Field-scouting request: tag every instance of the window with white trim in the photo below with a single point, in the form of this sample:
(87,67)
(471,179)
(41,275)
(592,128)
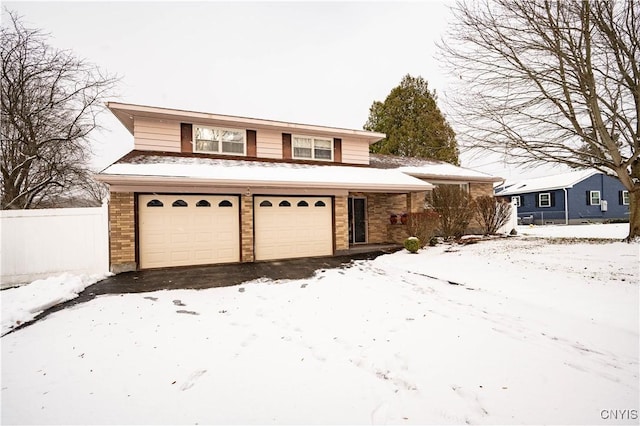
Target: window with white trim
(544,199)
(216,140)
(594,198)
(312,148)
(625,198)
(516,200)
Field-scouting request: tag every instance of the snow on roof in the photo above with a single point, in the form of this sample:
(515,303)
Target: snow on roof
(560,181)
(428,169)
(258,173)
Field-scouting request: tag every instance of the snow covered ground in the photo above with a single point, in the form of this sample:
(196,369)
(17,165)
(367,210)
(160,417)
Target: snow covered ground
(595,230)
(22,304)
(505,331)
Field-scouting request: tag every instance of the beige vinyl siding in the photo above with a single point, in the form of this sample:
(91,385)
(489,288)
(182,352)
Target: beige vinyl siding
(355,151)
(268,143)
(156,135)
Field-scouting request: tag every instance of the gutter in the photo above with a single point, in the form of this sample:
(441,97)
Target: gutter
(566,206)
(114,179)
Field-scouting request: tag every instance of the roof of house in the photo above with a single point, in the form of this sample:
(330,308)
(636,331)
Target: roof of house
(429,169)
(143,168)
(126,112)
(547,183)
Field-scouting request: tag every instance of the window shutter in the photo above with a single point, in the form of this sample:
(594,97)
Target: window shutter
(286,145)
(186,134)
(620,198)
(337,150)
(252,150)
(588,198)
(553,199)
(537,197)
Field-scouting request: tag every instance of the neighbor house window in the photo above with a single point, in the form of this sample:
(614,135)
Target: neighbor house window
(219,140)
(312,148)
(625,198)
(516,200)
(544,199)
(594,198)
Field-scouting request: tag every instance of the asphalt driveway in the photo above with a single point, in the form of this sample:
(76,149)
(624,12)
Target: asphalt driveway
(202,277)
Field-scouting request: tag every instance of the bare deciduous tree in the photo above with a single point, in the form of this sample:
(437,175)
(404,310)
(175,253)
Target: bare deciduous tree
(551,81)
(50,100)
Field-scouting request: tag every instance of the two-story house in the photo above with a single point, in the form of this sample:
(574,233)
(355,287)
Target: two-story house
(203,188)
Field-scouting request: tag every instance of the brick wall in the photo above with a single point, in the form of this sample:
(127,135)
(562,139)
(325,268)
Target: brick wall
(397,233)
(122,246)
(480,189)
(246,226)
(379,208)
(415,201)
(341,214)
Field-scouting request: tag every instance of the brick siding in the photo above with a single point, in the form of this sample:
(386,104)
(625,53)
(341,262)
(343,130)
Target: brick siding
(341,217)
(380,206)
(246,226)
(122,246)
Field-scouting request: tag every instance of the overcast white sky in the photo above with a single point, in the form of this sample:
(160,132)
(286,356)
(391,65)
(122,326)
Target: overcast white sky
(318,63)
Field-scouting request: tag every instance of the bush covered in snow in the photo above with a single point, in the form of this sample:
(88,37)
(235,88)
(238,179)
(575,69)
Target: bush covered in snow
(412,244)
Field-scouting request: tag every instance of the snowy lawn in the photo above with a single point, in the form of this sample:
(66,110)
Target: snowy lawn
(511,331)
(616,231)
(22,304)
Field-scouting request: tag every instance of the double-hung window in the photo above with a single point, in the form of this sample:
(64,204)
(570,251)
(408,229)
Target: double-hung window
(215,140)
(312,148)
(515,200)
(625,198)
(594,198)
(544,199)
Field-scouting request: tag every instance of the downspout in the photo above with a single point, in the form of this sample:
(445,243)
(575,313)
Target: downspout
(566,206)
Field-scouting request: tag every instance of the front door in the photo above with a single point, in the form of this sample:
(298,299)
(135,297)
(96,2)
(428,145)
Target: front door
(357,220)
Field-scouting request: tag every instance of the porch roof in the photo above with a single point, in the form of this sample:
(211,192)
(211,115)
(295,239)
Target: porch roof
(142,168)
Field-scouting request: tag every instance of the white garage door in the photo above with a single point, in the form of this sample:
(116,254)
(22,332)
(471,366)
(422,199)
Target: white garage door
(179,230)
(287,227)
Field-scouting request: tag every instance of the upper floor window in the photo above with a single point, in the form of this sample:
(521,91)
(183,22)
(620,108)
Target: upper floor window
(219,140)
(594,198)
(312,148)
(515,200)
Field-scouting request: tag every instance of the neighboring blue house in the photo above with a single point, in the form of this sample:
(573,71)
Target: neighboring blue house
(576,197)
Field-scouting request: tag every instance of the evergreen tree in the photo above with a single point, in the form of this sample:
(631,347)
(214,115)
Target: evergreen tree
(413,123)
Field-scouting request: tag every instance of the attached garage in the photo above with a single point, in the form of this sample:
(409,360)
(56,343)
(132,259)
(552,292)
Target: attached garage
(180,230)
(288,227)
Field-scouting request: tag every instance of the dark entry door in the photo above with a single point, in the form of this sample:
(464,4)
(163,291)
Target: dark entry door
(357,220)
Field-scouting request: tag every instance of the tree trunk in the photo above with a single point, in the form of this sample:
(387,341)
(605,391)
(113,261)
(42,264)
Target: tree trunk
(634,215)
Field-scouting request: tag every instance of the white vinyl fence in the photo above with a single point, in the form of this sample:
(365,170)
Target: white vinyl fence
(40,243)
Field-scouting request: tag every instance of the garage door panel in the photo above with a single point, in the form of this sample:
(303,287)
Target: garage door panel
(292,231)
(191,235)
(204,238)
